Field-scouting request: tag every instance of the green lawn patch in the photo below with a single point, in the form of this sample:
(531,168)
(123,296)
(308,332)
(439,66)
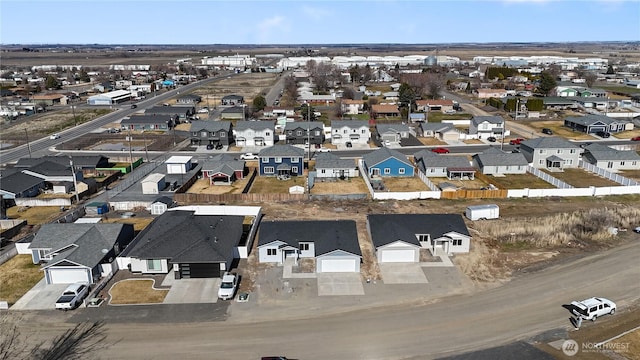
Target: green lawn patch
(17,276)
(271,185)
(136,292)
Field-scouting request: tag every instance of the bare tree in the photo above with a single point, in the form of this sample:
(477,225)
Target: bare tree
(348,93)
(590,78)
(435,83)
(417,83)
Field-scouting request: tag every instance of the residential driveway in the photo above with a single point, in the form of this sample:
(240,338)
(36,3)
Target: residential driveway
(402,273)
(193,291)
(331,284)
(40,297)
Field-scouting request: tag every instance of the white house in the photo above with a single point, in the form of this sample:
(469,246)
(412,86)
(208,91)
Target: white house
(354,131)
(352,107)
(254,133)
(487,126)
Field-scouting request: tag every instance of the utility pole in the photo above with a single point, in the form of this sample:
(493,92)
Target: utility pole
(75,121)
(130,153)
(146,152)
(308,130)
(75,182)
(28,143)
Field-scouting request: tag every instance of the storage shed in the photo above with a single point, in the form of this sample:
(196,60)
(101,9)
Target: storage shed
(96,208)
(178,164)
(153,184)
(477,212)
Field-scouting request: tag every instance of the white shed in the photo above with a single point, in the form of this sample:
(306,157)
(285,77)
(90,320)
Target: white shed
(477,212)
(153,184)
(178,164)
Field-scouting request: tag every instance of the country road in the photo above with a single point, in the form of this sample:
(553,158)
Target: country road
(526,306)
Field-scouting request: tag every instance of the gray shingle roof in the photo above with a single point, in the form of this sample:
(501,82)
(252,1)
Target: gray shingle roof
(282,151)
(377,156)
(552,142)
(227,167)
(353,124)
(599,152)
(388,228)
(233,110)
(326,235)
(495,157)
(397,128)
(49,168)
(19,182)
(255,125)
(490,119)
(331,161)
(211,126)
(78,160)
(303,125)
(147,119)
(437,127)
(168,110)
(429,159)
(183,237)
(592,119)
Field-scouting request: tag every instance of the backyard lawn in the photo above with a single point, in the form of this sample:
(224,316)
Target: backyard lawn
(136,292)
(202,187)
(581,178)
(475,184)
(271,185)
(36,215)
(348,186)
(520,181)
(404,184)
(138,222)
(17,276)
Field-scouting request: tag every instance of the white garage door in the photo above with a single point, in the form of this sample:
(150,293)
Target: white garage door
(338,265)
(398,255)
(67,276)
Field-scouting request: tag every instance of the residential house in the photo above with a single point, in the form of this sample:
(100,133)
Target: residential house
(223,169)
(16,184)
(387,162)
(48,99)
(234,112)
(565,91)
(278,112)
(487,126)
(442,131)
(54,172)
(86,163)
(491,93)
(393,133)
(611,159)
(354,131)
(352,107)
(304,132)
(232,100)
(189,243)
(449,166)
(182,112)
(332,166)
(559,103)
(550,152)
(75,252)
(592,124)
(332,243)
(281,160)
(189,99)
(391,96)
(385,110)
(494,161)
(399,237)
(105,86)
(589,92)
(435,105)
(211,133)
(254,133)
(417,117)
(148,122)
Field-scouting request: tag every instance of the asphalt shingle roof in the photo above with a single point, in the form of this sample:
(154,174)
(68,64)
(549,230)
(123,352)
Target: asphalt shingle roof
(326,235)
(331,161)
(592,119)
(388,228)
(19,182)
(495,157)
(433,160)
(255,125)
(377,156)
(397,128)
(552,142)
(303,125)
(147,119)
(352,124)
(282,151)
(599,152)
(490,119)
(211,126)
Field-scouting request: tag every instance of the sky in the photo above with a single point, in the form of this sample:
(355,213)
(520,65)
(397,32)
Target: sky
(316,22)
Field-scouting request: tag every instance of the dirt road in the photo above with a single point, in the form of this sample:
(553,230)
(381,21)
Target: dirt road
(526,306)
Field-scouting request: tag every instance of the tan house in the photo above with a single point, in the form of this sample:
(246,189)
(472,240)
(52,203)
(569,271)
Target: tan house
(435,105)
(385,110)
(48,99)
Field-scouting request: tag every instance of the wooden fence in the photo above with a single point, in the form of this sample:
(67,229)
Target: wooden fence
(202,199)
(475,194)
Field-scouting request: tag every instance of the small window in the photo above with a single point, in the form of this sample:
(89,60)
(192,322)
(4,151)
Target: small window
(278,159)
(268,170)
(272,252)
(304,247)
(401,171)
(387,171)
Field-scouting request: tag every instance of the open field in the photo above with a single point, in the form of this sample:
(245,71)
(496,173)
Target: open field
(247,85)
(520,181)
(581,178)
(430,141)
(17,276)
(558,128)
(348,186)
(404,184)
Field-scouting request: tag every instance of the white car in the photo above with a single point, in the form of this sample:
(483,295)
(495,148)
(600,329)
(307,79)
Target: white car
(590,309)
(203,110)
(228,286)
(324,150)
(54,136)
(249,156)
(72,296)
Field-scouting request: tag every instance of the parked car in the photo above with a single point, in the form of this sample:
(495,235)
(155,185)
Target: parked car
(228,286)
(637,138)
(440,150)
(204,110)
(547,131)
(324,150)
(491,139)
(219,146)
(249,156)
(637,230)
(54,136)
(603,134)
(209,146)
(515,141)
(134,106)
(113,130)
(590,309)
(72,296)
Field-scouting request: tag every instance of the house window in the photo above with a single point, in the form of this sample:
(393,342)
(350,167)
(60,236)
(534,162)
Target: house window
(299,132)
(387,171)
(401,171)
(559,151)
(541,162)
(294,169)
(362,131)
(304,247)
(317,133)
(573,151)
(154,265)
(268,170)
(432,170)
(423,238)
(223,134)
(289,132)
(278,160)
(323,171)
(272,252)
(267,134)
(204,134)
(541,151)
(621,163)
(344,131)
(568,162)
(457,242)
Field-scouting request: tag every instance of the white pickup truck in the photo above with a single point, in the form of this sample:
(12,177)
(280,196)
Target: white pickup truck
(72,296)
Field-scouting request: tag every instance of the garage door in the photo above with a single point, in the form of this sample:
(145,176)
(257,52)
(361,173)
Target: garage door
(398,255)
(199,271)
(338,265)
(67,276)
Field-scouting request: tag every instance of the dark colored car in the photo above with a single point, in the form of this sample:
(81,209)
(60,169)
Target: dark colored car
(209,146)
(637,138)
(133,106)
(603,134)
(547,131)
(349,144)
(491,139)
(219,146)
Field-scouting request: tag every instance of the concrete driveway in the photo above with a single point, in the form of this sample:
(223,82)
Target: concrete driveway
(40,297)
(330,284)
(193,291)
(402,273)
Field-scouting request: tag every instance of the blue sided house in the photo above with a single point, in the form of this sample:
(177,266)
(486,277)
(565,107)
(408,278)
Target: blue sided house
(387,162)
(281,160)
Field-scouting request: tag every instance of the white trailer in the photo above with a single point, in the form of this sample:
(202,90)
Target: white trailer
(477,212)
(153,184)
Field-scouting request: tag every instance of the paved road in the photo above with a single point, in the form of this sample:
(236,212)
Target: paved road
(528,305)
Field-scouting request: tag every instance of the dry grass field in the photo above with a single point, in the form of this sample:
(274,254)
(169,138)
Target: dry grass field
(632,174)
(271,185)
(138,222)
(581,178)
(404,184)
(349,186)
(247,85)
(559,129)
(475,184)
(431,141)
(520,181)
(36,215)
(17,276)
(136,292)
(202,187)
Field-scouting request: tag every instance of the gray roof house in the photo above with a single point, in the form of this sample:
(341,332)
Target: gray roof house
(20,185)
(193,245)
(148,122)
(74,252)
(332,243)
(254,133)
(189,99)
(494,161)
(592,123)
(211,133)
(231,100)
(393,133)
(611,159)
(332,166)
(304,132)
(449,166)
(486,126)
(443,131)
(223,169)
(354,131)
(182,112)
(234,112)
(54,172)
(399,237)
(550,152)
